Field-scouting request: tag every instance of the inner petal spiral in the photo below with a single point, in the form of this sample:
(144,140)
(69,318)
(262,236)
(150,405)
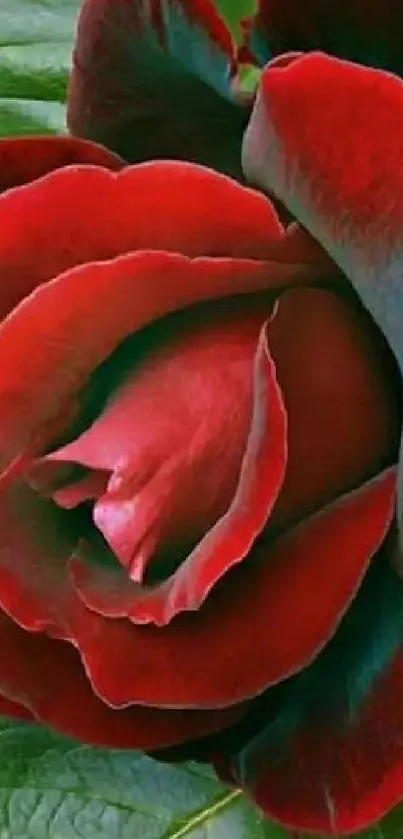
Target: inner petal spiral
(162,455)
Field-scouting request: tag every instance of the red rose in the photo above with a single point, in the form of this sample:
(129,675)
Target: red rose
(199,429)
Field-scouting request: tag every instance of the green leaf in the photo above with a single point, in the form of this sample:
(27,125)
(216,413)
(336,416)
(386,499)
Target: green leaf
(36,38)
(50,788)
(233,11)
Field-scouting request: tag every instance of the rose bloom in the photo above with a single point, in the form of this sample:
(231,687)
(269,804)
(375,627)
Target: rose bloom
(200,431)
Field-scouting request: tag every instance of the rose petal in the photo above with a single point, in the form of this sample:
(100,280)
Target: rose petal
(228,542)
(271,606)
(341,391)
(198,366)
(331,759)
(23,159)
(8,708)
(36,244)
(47,337)
(347,194)
(47,677)
(154,80)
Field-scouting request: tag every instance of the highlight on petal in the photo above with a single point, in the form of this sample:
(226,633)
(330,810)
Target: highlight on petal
(154,80)
(23,159)
(347,194)
(330,759)
(270,605)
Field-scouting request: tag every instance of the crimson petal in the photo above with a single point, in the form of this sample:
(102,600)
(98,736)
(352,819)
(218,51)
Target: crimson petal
(47,337)
(23,159)
(347,194)
(271,609)
(43,679)
(340,386)
(331,758)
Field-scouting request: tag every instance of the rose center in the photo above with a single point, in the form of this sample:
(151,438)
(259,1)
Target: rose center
(163,432)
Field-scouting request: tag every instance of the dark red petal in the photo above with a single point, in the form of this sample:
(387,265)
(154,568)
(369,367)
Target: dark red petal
(342,395)
(331,760)
(47,338)
(47,677)
(231,538)
(228,542)
(8,708)
(23,159)
(368,32)
(347,194)
(262,624)
(154,79)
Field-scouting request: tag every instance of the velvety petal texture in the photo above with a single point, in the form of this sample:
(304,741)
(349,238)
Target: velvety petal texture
(366,31)
(153,79)
(24,159)
(330,758)
(347,193)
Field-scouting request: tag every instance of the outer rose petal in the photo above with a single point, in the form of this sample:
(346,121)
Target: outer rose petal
(47,338)
(37,244)
(47,677)
(272,610)
(331,759)
(368,32)
(347,194)
(270,607)
(340,386)
(153,80)
(159,205)
(8,708)
(23,159)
